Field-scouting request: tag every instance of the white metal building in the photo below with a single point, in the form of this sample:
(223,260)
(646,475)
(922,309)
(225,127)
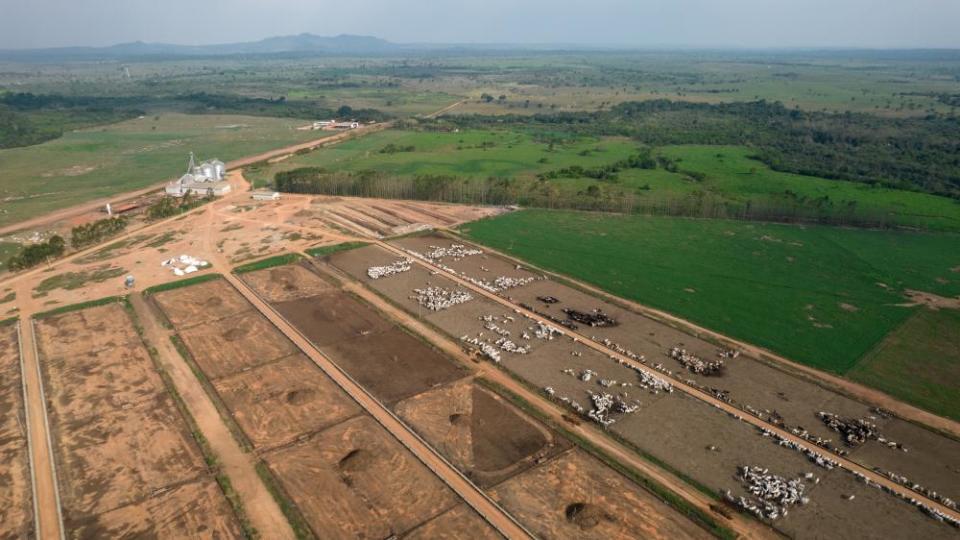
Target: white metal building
(206,178)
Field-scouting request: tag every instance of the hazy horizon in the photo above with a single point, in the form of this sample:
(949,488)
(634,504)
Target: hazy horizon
(603,23)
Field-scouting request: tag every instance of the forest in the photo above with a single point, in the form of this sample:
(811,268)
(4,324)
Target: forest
(918,153)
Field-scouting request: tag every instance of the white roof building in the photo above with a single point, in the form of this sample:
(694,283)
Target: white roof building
(206,178)
(263,195)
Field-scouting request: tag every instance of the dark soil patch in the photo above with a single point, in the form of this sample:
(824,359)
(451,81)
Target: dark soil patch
(586,515)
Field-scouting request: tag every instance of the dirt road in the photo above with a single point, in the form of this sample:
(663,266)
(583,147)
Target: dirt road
(49,520)
(467,491)
(260,507)
(683,387)
(845,386)
(745,527)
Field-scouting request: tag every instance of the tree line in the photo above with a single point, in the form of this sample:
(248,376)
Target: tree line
(91,233)
(787,207)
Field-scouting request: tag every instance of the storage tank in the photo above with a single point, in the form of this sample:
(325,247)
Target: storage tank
(220,168)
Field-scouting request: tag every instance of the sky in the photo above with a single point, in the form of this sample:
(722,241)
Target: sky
(638,23)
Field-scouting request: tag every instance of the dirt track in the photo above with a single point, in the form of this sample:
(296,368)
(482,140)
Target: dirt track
(682,386)
(456,481)
(262,510)
(49,523)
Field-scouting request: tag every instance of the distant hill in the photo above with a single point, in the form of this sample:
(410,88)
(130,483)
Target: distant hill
(302,43)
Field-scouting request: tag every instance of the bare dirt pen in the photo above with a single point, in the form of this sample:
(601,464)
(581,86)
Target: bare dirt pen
(235,343)
(675,428)
(278,402)
(332,318)
(121,444)
(16,509)
(347,476)
(355,481)
(482,434)
(188,306)
(197,509)
(454,524)
(575,496)
(288,282)
(388,361)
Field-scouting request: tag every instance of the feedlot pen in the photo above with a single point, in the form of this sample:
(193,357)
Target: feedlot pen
(500,448)
(703,442)
(127,462)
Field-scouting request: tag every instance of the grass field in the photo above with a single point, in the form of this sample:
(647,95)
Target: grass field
(730,176)
(104,161)
(823,296)
(918,362)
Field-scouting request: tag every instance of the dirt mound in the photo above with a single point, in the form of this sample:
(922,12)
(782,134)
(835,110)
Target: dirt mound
(356,461)
(213,301)
(299,397)
(457,419)
(586,515)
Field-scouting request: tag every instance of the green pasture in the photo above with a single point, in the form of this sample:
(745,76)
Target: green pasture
(100,162)
(823,296)
(729,175)
(918,362)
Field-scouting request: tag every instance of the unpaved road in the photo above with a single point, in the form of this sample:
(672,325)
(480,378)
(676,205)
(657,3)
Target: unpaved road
(683,387)
(467,491)
(260,507)
(745,527)
(49,523)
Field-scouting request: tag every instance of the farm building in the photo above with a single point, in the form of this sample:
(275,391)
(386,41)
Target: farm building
(265,195)
(203,179)
(333,124)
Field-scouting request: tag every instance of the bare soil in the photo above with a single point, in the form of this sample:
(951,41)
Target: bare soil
(454,524)
(483,435)
(287,282)
(278,402)
(187,306)
(118,438)
(236,343)
(16,509)
(354,480)
(394,365)
(193,510)
(332,318)
(575,496)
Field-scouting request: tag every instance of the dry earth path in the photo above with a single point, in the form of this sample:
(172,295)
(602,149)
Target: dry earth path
(687,389)
(46,495)
(260,507)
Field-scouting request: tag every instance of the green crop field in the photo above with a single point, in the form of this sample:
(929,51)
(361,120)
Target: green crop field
(824,296)
(729,176)
(918,362)
(99,162)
